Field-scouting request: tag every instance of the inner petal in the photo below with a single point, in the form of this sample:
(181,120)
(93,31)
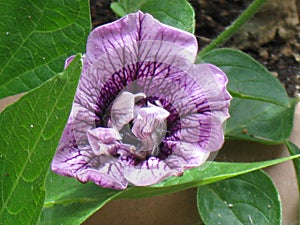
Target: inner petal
(103,140)
(149,126)
(122,110)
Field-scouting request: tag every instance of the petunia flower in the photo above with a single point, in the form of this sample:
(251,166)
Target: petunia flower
(143,111)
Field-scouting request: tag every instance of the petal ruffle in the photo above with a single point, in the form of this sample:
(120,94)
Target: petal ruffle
(149,120)
(185,155)
(213,112)
(122,110)
(148,172)
(136,34)
(200,99)
(109,176)
(103,141)
(84,163)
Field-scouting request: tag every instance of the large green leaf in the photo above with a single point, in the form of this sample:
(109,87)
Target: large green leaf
(176,13)
(259,121)
(248,79)
(70,202)
(36,38)
(244,200)
(29,133)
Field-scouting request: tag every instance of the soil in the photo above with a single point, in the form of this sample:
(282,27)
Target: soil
(272,37)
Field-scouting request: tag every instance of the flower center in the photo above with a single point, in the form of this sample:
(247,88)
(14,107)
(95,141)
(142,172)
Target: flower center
(139,123)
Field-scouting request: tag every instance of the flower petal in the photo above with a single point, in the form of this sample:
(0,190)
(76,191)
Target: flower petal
(137,54)
(109,176)
(148,172)
(82,162)
(66,149)
(149,120)
(103,140)
(122,110)
(185,155)
(135,34)
(213,83)
(201,101)
(117,51)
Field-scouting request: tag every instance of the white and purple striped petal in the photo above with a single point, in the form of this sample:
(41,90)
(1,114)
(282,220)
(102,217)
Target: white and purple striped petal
(143,111)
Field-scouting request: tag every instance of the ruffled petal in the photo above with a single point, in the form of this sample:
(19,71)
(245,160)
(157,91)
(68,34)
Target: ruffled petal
(67,148)
(185,155)
(122,110)
(200,100)
(103,140)
(85,163)
(212,101)
(148,172)
(149,120)
(140,37)
(110,175)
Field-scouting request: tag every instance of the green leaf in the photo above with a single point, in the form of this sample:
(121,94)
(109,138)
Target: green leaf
(74,202)
(29,133)
(244,200)
(70,202)
(36,38)
(259,121)
(294,150)
(260,110)
(248,79)
(176,13)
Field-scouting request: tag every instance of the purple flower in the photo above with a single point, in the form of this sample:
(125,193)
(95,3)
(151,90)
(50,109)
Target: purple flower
(143,111)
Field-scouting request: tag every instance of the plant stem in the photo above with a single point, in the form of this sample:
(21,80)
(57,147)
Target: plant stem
(229,31)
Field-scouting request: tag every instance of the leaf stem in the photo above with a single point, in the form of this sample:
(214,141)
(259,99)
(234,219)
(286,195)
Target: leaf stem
(229,31)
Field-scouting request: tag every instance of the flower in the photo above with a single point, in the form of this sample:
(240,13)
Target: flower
(143,111)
